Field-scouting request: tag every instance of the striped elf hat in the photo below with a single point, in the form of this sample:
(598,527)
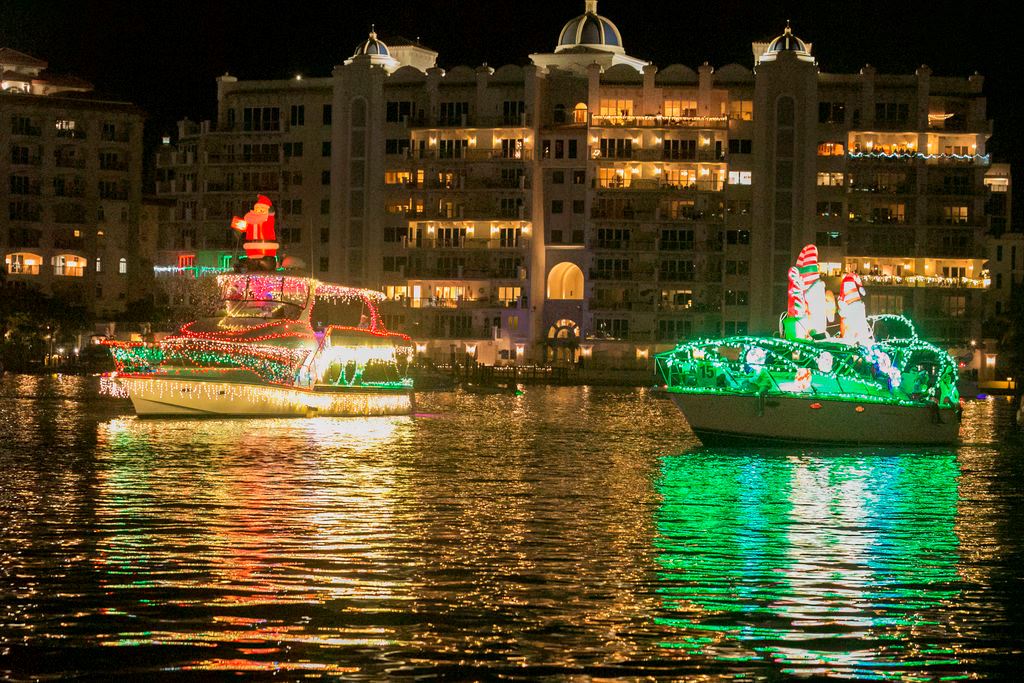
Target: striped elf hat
(851,289)
(795,294)
(807,264)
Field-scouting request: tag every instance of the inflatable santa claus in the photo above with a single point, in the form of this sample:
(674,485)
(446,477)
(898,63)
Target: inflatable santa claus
(853,324)
(258,226)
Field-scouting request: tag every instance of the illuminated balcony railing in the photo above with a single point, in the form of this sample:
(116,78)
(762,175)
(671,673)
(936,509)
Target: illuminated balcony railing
(473,154)
(924,281)
(454,303)
(975,159)
(658,121)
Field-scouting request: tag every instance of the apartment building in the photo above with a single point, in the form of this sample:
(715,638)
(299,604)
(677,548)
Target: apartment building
(593,205)
(72,194)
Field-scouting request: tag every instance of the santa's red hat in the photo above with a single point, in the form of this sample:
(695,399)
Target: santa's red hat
(263,199)
(807,264)
(851,289)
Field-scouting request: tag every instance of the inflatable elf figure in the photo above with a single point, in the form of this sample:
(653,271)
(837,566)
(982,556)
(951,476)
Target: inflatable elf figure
(258,226)
(795,323)
(814,291)
(853,322)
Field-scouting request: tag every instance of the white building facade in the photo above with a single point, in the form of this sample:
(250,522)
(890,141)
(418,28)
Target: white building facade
(72,191)
(591,204)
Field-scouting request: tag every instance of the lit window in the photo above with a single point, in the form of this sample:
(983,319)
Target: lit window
(616,107)
(831,149)
(739,177)
(122,266)
(99,264)
(830,179)
(680,108)
(741,109)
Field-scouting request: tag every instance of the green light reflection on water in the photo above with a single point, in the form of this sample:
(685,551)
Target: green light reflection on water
(838,563)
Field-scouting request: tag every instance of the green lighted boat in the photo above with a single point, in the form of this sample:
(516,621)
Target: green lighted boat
(749,389)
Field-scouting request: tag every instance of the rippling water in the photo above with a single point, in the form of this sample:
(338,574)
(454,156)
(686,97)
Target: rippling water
(566,532)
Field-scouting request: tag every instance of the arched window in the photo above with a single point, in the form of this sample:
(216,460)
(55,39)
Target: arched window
(99,264)
(23,263)
(69,265)
(579,114)
(565,282)
(559,113)
(122,266)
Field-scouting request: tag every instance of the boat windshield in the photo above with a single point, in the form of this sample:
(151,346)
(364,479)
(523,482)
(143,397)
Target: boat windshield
(262,296)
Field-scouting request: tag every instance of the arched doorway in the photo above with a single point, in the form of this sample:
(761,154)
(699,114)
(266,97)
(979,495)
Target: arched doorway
(565,282)
(563,342)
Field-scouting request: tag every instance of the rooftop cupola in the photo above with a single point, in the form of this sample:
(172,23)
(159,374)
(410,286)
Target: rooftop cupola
(590,30)
(377,51)
(787,42)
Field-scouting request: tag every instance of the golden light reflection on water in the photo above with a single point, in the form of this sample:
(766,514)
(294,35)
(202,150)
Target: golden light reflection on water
(566,532)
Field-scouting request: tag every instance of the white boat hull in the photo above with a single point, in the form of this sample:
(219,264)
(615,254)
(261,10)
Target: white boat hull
(717,419)
(162,397)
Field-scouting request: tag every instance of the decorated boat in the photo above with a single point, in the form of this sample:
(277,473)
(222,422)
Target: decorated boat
(283,346)
(876,383)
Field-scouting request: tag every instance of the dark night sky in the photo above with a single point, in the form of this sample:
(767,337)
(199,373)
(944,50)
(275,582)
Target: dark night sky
(165,55)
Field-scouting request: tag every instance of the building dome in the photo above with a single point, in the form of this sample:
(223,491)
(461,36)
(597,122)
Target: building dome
(372,46)
(787,42)
(590,30)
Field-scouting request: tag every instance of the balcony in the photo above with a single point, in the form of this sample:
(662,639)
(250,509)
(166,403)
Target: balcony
(19,128)
(465,243)
(923,281)
(672,276)
(677,245)
(31,189)
(23,263)
(908,157)
(657,121)
(16,269)
(69,271)
(70,162)
(636,244)
(113,165)
(214,158)
(468,121)
(908,187)
(472,154)
(70,191)
(414,271)
(456,303)
(636,306)
(642,271)
(948,190)
(71,133)
(879,219)
(625,214)
(115,136)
